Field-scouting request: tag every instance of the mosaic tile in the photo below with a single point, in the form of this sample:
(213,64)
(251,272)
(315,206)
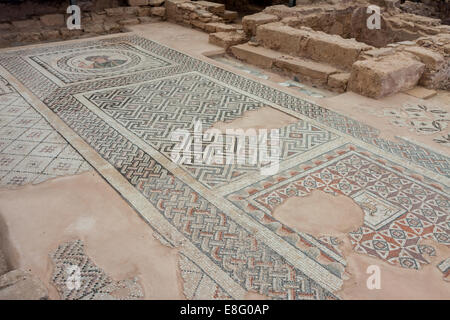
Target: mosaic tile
(15,178)
(76,277)
(9,161)
(46,149)
(21,147)
(399,209)
(60,166)
(30,147)
(109,113)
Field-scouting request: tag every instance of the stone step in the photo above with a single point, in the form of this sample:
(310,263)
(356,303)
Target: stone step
(314,45)
(229,16)
(258,56)
(215,8)
(306,69)
(386,75)
(227,39)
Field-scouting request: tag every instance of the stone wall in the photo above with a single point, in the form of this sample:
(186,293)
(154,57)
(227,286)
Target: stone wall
(24,9)
(52,27)
(439,9)
(327,44)
(348,20)
(205,15)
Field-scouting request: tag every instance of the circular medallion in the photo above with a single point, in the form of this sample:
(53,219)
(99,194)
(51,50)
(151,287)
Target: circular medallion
(98,61)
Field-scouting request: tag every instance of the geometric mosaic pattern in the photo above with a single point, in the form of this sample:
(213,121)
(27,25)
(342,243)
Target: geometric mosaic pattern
(121,107)
(77,278)
(31,151)
(153,110)
(96,61)
(399,210)
(197,284)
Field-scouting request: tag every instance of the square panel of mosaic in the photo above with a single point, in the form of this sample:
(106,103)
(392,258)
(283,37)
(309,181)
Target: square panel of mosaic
(400,209)
(154,110)
(31,151)
(76,277)
(48,89)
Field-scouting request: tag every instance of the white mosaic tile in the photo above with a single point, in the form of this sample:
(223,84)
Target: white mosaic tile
(9,161)
(33,164)
(4,143)
(15,178)
(55,137)
(11,132)
(46,149)
(21,147)
(33,134)
(23,122)
(63,166)
(70,153)
(31,151)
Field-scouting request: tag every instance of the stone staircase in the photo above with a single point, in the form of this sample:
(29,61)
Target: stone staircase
(280,39)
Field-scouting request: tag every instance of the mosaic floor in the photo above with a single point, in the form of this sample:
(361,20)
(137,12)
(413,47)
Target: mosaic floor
(31,151)
(124,96)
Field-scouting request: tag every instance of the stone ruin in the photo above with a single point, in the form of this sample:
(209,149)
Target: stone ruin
(26,22)
(328,43)
(324,42)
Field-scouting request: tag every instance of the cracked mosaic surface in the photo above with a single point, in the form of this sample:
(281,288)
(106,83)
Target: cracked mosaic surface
(77,277)
(125,116)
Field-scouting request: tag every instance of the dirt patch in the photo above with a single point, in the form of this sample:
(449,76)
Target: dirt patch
(263,118)
(336,215)
(396,282)
(85,207)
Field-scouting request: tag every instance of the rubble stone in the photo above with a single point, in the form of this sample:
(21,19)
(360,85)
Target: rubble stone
(227,39)
(313,71)
(53,20)
(379,77)
(158,11)
(251,22)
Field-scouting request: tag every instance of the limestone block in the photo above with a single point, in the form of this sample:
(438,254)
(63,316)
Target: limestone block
(251,22)
(258,56)
(379,77)
(158,11)
(51,20)
(136,3)
(282,38)
(227,39)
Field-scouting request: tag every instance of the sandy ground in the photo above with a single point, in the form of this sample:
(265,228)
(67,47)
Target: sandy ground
(40,217)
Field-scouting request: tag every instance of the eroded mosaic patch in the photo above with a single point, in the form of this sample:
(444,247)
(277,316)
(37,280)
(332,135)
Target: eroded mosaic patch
(399,209)
(77,277)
